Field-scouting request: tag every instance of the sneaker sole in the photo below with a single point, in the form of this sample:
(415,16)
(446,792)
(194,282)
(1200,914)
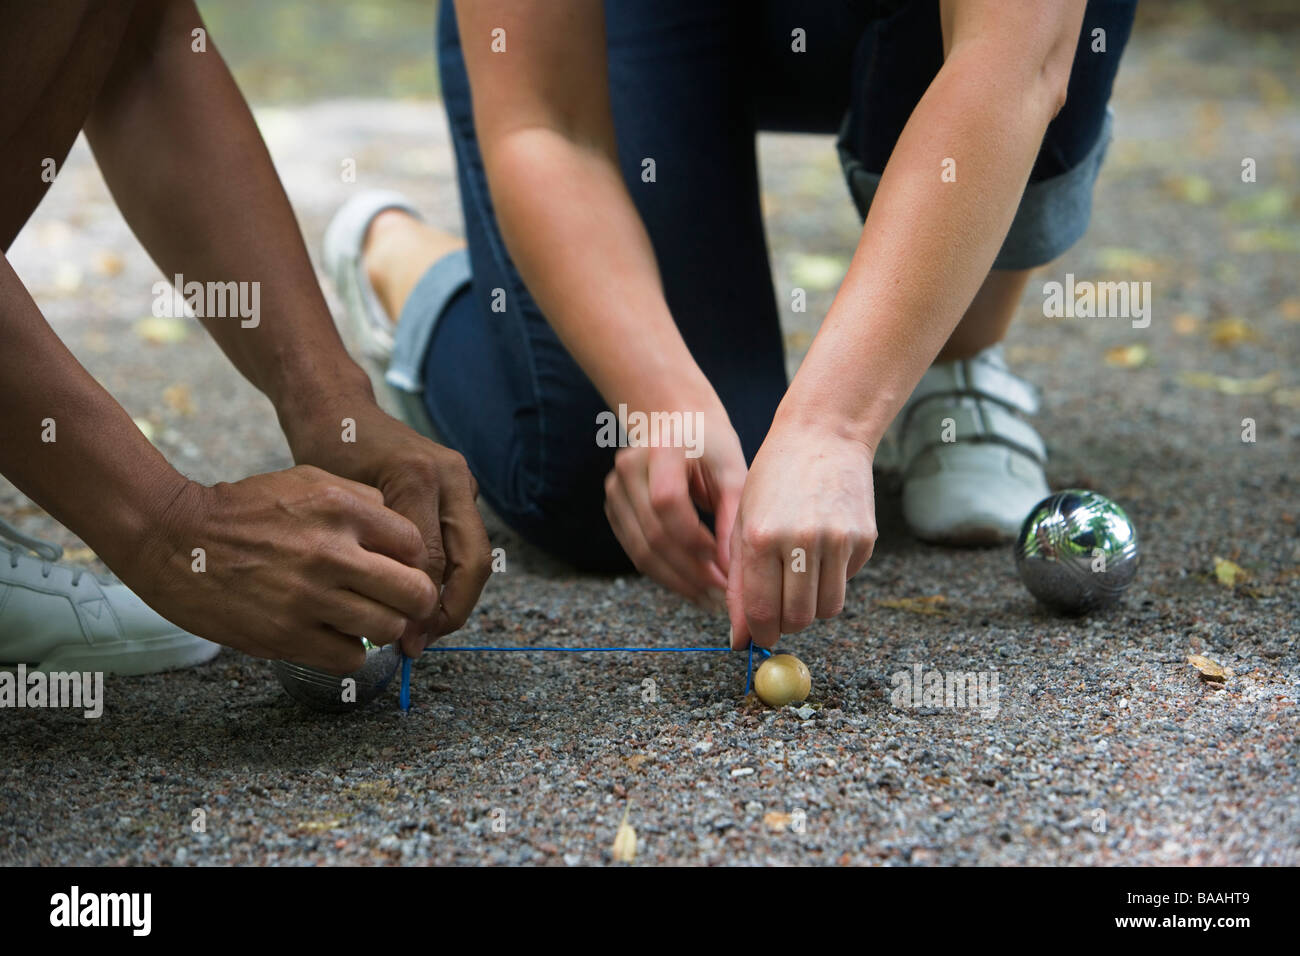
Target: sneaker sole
(971,536)
(149,655)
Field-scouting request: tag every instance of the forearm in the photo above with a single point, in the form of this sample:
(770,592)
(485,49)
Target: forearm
(67,444)
(581,248)
(188,168)
(926,247)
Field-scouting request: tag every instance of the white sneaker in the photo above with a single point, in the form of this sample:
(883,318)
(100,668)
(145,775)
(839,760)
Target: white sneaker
(58,618)
(972,467)
(366,328)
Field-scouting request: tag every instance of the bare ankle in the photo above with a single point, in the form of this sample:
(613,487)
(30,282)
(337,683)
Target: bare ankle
(398,250)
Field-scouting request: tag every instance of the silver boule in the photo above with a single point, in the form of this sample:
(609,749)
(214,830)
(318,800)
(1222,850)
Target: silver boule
(323,691)
(1077,551)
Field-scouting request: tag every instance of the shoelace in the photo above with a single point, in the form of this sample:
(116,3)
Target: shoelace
(47,551)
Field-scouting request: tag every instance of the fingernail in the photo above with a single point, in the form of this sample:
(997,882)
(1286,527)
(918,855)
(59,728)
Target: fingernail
(732,639)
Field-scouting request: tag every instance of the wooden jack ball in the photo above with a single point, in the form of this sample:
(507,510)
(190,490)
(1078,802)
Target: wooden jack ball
(782,679)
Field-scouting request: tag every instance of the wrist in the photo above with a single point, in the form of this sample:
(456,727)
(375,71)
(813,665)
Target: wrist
(827,413)
(144,532)
(670,388)
(657,409)
(316,405)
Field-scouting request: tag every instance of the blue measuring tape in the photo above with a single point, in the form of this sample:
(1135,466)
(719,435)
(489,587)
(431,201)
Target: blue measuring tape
(405,696)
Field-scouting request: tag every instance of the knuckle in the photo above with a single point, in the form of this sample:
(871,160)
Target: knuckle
(761,611)
(627,461)
(458,617)
(796,621)
(326,557)
(394,627)
(334,499)
(413,544)
(424,596)
(480,568)
(760,538)
(434,555)
(425,469)
(835,539)
(656,537)
(666,497)
(454,462)
(831,608)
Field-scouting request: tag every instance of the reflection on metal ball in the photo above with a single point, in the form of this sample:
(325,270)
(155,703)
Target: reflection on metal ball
(1077,551)
(321,690)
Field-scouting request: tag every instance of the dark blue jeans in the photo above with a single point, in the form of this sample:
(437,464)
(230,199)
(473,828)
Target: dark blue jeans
(691,83)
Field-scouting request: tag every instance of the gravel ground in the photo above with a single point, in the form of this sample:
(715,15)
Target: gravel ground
(1107,747)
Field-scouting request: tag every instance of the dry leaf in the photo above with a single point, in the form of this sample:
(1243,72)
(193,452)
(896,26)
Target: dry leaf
(96,342)
(107,263)
(1186,324)
(921,605)
(776,822)
(624,850)
(67,278)
(1266,239)
(1190,188)
(798,340)
(1127,260)
(1128,356)
(817,272)
(1230,386)
(1289,397)
(179,399)
(1209,119)
(636,760)
(1210,670)
(1226,333)
(162,330)
(1262,205)
(1272,90)
(1228,572)
(320,826)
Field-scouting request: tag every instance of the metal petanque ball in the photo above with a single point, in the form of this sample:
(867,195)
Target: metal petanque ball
(1077,551)
(321,690)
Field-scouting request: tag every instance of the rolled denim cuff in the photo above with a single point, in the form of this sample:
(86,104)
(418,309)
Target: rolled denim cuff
(425,305)
(1052,215)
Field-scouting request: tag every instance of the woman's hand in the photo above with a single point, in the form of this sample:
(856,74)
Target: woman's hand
(651,497)
(806,524)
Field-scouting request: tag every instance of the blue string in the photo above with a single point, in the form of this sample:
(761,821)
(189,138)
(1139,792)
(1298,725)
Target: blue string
(749,671)
(404,698)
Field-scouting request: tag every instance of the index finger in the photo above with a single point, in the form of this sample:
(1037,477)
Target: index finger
(468,556)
